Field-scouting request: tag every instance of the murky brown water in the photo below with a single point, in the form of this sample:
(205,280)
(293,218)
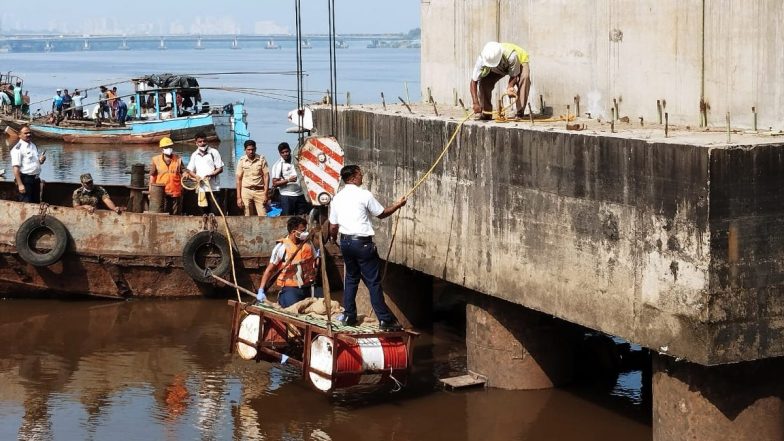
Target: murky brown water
(160,370)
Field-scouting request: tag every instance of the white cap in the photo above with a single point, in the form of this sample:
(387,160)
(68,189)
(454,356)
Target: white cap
(59,90)
(491,54)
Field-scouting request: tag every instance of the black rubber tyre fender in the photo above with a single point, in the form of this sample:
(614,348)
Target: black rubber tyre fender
(33,225)
(191,249)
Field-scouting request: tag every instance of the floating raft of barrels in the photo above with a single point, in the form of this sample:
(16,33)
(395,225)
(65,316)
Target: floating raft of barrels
(330,357)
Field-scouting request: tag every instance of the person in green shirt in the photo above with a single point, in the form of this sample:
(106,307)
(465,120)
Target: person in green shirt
(132,109)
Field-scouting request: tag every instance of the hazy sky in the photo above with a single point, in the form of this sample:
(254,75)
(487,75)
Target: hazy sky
(245,16)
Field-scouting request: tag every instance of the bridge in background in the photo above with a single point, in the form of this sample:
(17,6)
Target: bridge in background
(72,42)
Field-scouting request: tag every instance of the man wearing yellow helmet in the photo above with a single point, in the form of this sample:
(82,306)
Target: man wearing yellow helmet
(166,170)
(496,61)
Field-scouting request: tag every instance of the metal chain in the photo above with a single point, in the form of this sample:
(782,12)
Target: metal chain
(42,209)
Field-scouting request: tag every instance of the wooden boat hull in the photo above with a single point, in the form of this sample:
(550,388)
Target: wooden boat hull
(127,255)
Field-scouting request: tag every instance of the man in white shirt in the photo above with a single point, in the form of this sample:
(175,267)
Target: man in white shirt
(26,163)
(349,214)
(205,165)
(285,179)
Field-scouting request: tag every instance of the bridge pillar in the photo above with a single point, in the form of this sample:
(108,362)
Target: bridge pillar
(516,347)
(738,402)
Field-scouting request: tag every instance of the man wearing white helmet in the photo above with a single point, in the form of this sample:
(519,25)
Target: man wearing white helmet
(496,61)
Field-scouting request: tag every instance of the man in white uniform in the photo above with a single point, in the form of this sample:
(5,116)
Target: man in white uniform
(205,165)
(26,163)
(349,214)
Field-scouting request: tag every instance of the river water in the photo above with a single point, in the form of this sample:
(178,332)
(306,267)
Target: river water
(362,72)
(160,370)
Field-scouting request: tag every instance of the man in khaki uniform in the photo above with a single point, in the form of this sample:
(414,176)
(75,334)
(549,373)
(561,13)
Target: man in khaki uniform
(252,179)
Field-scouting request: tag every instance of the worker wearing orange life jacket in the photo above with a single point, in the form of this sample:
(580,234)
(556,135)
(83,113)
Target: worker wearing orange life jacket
(166,169)
(295,261)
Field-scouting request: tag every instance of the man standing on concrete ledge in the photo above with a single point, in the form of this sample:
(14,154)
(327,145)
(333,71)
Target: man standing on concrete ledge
(495,62)
(349,214)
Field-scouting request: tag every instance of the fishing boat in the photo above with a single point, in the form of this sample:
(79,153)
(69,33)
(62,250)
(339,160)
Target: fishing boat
(306,44)
(169,105)
(341,45)
(54,249)
(271,45)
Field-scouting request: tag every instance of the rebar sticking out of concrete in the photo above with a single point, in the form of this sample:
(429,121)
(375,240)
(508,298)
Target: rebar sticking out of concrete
(612,126)
(568,111)
(348,99)
(429,96)
(659,110)
(666,124)
(577,105)
(530,114)
(642,123)
(615,108)
(383,101)
(460,101)
(754,120)
(405,104)
(729,129)
(541,103)
(405,86)
(434,107)
(454,96)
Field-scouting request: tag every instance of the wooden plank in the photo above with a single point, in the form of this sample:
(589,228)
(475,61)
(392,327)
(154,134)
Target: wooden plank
(470,379)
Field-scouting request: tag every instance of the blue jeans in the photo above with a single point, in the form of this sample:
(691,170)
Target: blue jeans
(293,205)
(361,261)
(290,295)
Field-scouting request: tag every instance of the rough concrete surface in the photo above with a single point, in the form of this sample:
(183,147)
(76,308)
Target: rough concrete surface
(671,243)
(726,52)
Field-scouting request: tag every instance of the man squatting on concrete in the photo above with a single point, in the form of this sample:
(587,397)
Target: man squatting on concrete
(349,214)
(496,61)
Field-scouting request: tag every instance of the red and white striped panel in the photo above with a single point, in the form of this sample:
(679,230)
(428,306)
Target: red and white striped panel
(320,160)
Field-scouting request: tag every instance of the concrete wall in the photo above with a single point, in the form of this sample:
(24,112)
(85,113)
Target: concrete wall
(635,51)
(671,246)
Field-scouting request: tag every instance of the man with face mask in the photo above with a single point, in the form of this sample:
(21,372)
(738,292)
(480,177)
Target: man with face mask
(88,195)
(166,170)
(205,165)
(295,261)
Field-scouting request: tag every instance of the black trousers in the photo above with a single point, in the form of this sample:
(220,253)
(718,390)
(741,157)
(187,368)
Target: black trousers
(32,186)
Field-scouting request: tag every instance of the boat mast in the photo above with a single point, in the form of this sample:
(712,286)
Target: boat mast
(300,93)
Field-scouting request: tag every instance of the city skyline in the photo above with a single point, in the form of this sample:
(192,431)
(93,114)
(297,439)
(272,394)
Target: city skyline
(263,17)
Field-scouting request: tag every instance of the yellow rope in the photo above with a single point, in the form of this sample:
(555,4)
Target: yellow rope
(228,234)
(418,183)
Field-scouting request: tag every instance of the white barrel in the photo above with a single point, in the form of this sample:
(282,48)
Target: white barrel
(249,330)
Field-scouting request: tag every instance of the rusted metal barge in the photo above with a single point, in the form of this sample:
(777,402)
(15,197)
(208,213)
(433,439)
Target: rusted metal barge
(131,254)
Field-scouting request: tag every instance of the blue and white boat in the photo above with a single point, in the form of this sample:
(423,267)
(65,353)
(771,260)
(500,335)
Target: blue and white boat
(167,105)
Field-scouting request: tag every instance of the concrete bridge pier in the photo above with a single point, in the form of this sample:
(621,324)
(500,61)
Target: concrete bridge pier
(516,347)
(738,402)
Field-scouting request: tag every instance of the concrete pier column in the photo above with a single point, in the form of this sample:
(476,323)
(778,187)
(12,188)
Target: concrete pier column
(737,402)
(518,348)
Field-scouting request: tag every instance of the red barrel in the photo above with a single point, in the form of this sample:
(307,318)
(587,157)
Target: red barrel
(372,361)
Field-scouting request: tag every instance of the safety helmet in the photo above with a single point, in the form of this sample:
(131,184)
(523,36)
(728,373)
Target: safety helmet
(491,54)
(165,142)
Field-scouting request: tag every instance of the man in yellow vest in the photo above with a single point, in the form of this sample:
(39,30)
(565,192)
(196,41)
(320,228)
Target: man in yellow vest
(166,170)
(496,61)
(295,261)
